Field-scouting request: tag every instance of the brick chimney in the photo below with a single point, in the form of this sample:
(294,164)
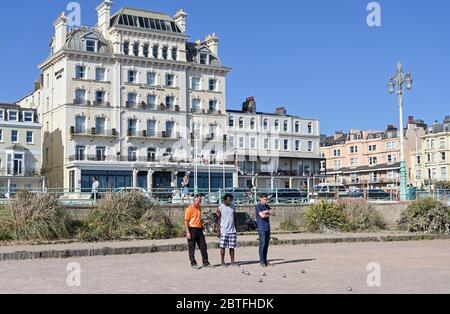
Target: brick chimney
(281,111)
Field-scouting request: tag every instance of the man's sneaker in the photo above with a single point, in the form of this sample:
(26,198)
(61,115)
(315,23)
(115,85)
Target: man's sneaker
(264,265)
(195,267)
(208,266)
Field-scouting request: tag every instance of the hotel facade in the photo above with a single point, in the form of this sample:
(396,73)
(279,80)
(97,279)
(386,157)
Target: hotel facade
(132,102)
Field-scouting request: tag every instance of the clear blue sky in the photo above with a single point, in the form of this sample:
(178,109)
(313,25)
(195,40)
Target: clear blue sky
(316,57)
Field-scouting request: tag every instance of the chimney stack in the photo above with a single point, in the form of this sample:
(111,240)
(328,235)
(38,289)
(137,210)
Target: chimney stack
(60,32)
(281,111)
(180,20)
(212,42)
(104,16)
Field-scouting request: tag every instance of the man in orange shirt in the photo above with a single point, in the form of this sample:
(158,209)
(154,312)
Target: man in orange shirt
(194,232)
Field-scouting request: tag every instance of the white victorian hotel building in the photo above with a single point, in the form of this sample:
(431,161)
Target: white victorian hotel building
(132,102)
(128,100)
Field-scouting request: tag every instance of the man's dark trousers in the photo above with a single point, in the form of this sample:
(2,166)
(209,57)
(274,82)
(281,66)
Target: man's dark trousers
(197,238)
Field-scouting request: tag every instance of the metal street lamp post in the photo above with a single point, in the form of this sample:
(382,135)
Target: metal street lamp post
(397,81)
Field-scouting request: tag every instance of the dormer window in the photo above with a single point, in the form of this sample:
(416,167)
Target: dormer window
(91,45)
(13,115)
(203,58)
(28,116)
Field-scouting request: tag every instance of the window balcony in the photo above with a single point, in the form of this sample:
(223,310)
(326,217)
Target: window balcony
(82,102)
(20,173)
(92,132)
(101,103)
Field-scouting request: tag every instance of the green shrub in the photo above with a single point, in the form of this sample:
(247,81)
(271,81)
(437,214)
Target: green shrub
(157,225)
(426,215)
(35,217)
(289,224)
(117,216)
(127,215)
(325,217)
(361,216)
(443,185)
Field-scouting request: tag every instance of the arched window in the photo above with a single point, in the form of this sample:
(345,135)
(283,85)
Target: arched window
(241,123)
(277,125)
(266,124)
(297,127)
(231,122)
(310,128)
(286,126)
(253,124)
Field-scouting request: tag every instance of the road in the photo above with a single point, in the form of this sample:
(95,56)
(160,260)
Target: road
(404,267)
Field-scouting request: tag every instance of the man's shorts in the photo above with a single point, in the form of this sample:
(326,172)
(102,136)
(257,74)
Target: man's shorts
(228,241)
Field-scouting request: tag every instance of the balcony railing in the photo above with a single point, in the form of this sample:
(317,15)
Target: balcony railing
(19,173)
(82,102)
(115,158)
(93,132)
(98,103)
(154,135)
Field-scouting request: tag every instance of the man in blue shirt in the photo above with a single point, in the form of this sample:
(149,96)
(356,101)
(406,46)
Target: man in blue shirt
(263,213)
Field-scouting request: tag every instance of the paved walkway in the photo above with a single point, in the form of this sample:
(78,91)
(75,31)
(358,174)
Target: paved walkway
(404,267)
(65,250)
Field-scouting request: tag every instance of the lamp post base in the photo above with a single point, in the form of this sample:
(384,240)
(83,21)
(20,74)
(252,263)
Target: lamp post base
(403,182)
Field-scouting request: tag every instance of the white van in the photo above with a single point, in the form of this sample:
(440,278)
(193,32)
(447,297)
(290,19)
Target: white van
(331,190)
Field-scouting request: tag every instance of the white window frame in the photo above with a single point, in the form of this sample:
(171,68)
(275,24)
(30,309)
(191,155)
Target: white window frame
(25,114)
(2,114)
(298,145)
(134,81)
(32,137)
(155,82)
(267,143)
(310,146)
(104,74)
(83,77)
(17,115)
(17,136)
(286,145)
(1,135)
(253,143)
(199,86)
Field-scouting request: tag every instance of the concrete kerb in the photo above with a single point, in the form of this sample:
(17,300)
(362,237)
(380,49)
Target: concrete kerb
(133,250)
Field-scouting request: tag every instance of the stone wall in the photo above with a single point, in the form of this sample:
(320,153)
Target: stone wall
(390,212)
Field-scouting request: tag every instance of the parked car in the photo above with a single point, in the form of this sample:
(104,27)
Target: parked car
(374,194)
(288,196)
(327,190)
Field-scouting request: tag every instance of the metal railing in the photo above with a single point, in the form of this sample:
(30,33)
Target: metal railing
(179,196)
